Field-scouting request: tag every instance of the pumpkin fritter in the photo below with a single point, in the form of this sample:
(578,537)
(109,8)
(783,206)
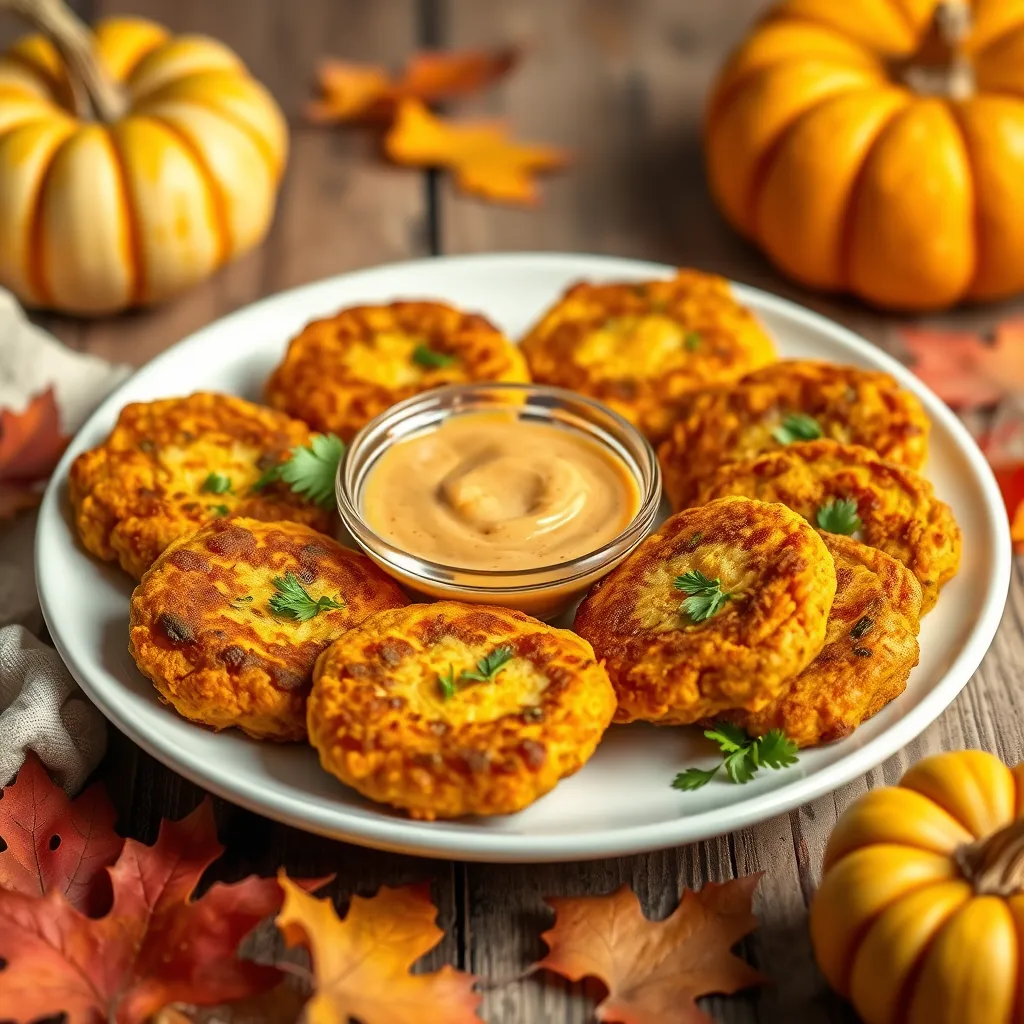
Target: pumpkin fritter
(673,667)
(229,621)
(342,371)
(784,403)
(450,709)
(640,347)
(870,649)
(172,465)
(897,509)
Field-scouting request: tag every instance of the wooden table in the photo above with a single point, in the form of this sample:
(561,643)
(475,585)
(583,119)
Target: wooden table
(622,82)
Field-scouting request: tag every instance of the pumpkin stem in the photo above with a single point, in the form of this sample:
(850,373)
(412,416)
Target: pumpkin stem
(941,67)
(995,865)
(94,93)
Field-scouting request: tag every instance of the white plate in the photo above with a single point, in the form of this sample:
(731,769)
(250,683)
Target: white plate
(621,802)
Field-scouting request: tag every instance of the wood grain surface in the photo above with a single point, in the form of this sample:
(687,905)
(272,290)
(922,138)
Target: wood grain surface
(622,83)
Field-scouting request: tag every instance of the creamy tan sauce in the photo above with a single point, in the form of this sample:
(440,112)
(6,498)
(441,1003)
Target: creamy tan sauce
(490,491)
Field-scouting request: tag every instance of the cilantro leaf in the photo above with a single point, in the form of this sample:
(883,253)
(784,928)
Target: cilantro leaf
(431,358)
(216,483)
(705,596)
(489,666)
(839,516)
(691,341)
(292,600)
(310,470)
(219,510)
(744,756)
(797,426)
(446,684)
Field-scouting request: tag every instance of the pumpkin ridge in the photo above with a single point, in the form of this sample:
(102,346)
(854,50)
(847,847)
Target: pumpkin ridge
(36,243)
(134,241)
(53,86)
(956,113)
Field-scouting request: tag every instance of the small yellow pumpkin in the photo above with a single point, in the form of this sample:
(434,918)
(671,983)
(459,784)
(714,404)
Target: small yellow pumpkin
(133,163)
(919,918)
(877,146)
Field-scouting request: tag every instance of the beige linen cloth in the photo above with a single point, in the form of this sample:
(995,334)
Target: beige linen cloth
(41,707)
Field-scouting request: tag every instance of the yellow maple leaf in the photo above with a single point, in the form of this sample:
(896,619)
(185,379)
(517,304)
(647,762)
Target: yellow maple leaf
(361,964)
(483,159)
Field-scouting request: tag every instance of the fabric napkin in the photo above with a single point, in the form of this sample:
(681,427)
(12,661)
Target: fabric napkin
(41,707)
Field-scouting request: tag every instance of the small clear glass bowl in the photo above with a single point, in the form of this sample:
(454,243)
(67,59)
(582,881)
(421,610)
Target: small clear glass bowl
(547,590)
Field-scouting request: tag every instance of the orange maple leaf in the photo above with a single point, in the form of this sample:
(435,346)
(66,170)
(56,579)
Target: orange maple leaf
(367,92)
(655,970)
(361,964)
(1010,477)
(156,945)
(31,444)
(481,156)
(962,368)
(55,843)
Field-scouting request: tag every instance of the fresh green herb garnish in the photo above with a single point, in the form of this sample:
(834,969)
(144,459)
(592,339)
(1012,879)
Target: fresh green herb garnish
(705,596)
(310,470)
(244,599)
(861,627)
(219,510)
(292,600)
(839,516)
(692,341)
(695,541)
(797,427)
(487,668)
(743,756)
(216,483)
(431,358)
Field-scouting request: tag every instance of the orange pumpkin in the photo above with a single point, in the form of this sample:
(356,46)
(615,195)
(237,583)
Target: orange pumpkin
(132,163)
(877,147)
(919,918)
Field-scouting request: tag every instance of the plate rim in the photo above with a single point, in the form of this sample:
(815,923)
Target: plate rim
(434,839)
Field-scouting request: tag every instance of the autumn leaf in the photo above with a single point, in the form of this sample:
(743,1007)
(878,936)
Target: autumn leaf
(962,368)
(481,156)
(1010,478)
(31,444)
(367,92)
(655,970)
(54,843)
(156,945)
(361,964)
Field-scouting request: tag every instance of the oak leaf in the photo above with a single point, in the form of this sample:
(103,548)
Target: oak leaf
(31,444)
(481,156)
(655,970)
(361,964)
(53,843)
(156,945)
(367,92)
(962,368)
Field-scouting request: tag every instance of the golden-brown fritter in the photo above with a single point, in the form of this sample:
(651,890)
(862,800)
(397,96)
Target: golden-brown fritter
(639,347)
(172,465)
(220,639)
(393,716)
(668,668)
(897,507)
(769,408)
(870,649)
(341,372)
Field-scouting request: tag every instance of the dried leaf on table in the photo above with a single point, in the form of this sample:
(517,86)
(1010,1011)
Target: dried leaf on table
(367,92)
(965,370)
(56,843)
(483,159)
(361,964)
(655,970)
(156,946)
(31,444)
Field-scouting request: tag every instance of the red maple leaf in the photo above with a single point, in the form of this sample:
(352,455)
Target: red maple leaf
(156,945)
(31,444)
(54,843)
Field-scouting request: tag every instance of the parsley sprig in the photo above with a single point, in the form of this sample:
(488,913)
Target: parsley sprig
(429,357)
(705,596)
(487,669)
(839,516)
(216,483)
(310,470)
(292,600)
(743,756)
(798,426)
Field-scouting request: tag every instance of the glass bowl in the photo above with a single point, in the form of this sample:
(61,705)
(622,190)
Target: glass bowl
(547,590)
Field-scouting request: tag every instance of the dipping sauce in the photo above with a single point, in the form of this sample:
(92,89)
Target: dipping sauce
(491,491)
